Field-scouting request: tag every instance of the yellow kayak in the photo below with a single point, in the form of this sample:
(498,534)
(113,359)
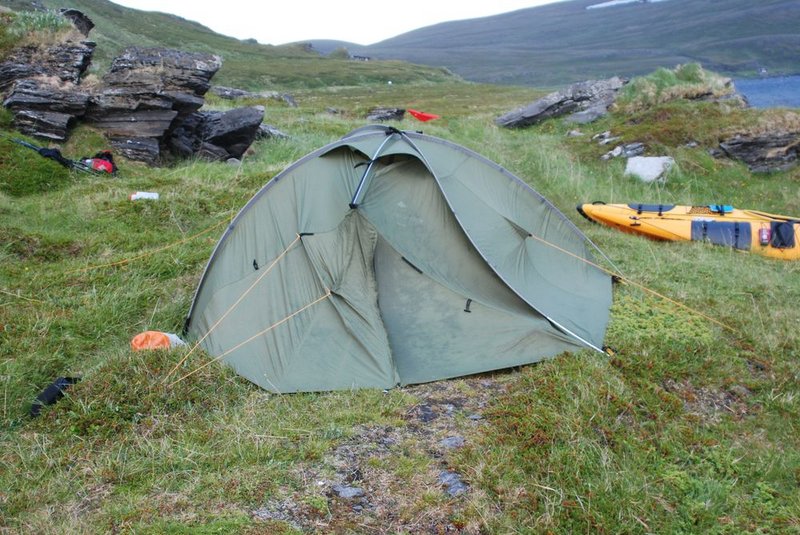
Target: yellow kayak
(775,236)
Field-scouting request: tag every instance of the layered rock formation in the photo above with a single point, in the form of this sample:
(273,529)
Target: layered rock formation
(40,87)
(66,62)
(763,153)
(147,104)
(586,101)
(147,93)
(45,108)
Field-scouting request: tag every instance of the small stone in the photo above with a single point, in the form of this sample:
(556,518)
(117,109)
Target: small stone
(632,149)
(616,151)
(348,492)
(386,114)
(426,413)
(452,442)
(453,482)
(608,140)
(475,416)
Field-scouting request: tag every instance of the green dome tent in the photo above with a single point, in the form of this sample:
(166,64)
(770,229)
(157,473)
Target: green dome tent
(390,258)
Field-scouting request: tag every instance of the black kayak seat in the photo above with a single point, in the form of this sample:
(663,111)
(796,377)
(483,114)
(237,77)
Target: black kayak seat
(659,208)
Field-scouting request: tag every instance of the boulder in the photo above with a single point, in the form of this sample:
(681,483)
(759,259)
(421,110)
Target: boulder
(452,480)
(233,130)
(348,492)
(588,115)
(231,93)
(217,135)
(763,153)
(628,150)
(587,101)
(267,131)
(649,168)
(78,19)
(386,114)
(185,138)
(45,108)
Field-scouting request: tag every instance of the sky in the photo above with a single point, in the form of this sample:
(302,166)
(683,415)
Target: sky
(363,22)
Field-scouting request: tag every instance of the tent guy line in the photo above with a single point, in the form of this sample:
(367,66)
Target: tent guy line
(642,287)
(149,253)
(233,306)
(328,293)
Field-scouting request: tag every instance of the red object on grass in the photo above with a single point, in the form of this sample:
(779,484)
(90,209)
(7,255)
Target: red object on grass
(422,116)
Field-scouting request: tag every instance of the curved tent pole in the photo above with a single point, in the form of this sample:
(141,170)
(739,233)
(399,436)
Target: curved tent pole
(354,202)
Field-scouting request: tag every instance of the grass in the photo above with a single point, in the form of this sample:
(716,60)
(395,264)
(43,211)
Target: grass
(691,427)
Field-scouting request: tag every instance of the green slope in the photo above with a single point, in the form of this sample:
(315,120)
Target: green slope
(246,64)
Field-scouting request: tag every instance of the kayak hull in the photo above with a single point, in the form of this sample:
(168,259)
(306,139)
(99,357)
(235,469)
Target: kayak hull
(770,235)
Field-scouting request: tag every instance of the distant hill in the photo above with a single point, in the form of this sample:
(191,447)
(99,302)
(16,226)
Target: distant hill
(565,42)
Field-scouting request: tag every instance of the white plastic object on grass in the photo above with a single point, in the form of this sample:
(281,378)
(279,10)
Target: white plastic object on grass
(135,196)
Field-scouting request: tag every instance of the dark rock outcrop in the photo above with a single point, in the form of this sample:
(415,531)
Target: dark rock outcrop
(40,86)
(217,135)
(386,114)
(78,19)
(147,104)
(67,62)
(234,130)
(145,149)
(231,93)
(764,153)
(45,108)
(148,93)
(266,131)
(587,101)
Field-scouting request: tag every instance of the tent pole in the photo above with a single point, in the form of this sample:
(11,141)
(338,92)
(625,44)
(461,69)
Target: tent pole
(357,196)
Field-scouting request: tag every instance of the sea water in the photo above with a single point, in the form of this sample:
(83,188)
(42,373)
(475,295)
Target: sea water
(779,91)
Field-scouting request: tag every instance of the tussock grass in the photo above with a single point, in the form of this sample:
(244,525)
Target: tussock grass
(36,27)
(688,81)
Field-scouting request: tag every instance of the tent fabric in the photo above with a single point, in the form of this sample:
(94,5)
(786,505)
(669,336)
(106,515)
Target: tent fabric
(423,261)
